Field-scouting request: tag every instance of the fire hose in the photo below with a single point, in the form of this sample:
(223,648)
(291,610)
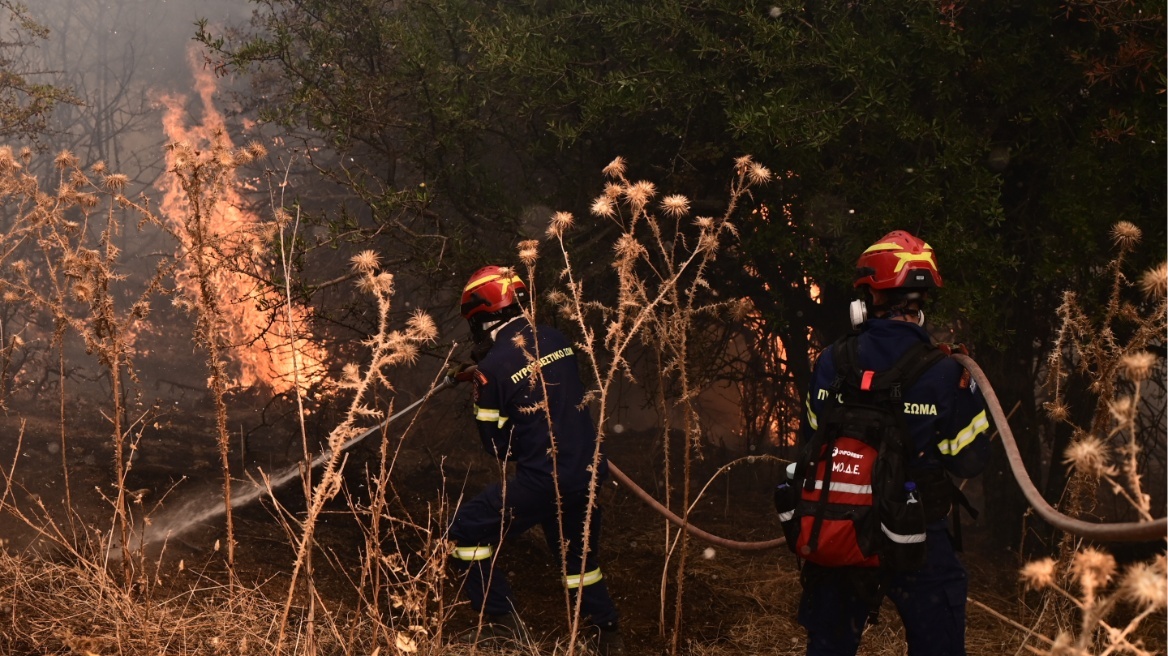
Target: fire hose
(1114,531)
(682,523)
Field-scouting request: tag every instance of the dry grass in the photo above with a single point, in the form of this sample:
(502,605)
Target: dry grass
(79,608)
(77,600)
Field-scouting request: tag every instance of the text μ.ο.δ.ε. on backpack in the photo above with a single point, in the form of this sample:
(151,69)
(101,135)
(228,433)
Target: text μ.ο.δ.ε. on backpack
(850,501)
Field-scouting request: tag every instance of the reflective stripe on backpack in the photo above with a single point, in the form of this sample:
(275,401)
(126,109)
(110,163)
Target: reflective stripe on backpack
(911,538)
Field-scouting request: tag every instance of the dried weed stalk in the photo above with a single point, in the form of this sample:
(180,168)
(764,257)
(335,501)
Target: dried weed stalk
(388,348)
(660,259)
(403,563)
(206,253)
(1113,353)
(72,276)
(403,569)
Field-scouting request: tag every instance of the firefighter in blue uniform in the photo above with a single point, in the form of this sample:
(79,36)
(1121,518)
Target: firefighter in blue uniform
(945,416)
(553,448)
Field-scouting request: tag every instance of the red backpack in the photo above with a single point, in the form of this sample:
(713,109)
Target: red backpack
(850,501)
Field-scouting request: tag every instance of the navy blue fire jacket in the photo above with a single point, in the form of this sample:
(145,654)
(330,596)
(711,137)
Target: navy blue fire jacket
(945,413)
(511,423)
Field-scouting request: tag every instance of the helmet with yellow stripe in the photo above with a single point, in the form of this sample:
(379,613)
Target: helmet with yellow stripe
(898,261)
(493,292)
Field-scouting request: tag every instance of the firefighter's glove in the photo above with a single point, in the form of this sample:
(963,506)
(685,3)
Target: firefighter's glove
(458,372)
(951,349)
(957,349)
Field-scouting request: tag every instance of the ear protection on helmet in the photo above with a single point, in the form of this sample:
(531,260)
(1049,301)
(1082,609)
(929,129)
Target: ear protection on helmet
(858,312)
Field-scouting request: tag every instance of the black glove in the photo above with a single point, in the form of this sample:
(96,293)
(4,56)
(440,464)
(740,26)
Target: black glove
(458,372)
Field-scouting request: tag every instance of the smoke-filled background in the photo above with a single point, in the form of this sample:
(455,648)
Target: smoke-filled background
(116,59)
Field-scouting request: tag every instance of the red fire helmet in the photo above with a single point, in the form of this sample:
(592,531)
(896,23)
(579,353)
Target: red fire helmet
(491,289)
(899,260)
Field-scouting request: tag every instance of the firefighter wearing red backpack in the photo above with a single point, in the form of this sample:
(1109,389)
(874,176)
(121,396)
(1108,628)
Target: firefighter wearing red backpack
(888,419)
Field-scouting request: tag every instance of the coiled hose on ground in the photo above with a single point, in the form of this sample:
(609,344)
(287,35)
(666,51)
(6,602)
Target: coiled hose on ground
(1113,532)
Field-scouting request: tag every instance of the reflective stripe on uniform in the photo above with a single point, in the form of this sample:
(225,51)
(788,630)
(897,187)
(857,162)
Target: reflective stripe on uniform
(965,436)
(471,554)
(846,488)
(486,414)
(787,516)
(585,578)
(911,538)
(812,420)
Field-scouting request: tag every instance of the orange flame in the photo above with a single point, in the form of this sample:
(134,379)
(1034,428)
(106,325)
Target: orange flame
(268,347)
(771,421)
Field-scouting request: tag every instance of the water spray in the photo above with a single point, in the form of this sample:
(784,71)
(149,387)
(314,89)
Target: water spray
(177,520)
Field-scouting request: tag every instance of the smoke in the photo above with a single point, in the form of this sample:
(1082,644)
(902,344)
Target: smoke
(140,82)
(116,57)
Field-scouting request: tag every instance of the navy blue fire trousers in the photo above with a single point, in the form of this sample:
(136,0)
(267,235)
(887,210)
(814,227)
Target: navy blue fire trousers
(499,512)
(836,603)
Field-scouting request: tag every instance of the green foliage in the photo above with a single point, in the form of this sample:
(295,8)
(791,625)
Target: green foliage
(25,105)
(1007,134)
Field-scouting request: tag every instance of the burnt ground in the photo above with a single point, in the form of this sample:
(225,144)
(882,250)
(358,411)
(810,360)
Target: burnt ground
(734,602)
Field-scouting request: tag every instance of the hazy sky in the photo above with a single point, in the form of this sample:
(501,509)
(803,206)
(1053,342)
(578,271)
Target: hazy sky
(118,57)
(156,31)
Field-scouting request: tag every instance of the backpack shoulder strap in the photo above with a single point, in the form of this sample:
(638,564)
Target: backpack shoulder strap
(915,362)
(907,369)
(847,360)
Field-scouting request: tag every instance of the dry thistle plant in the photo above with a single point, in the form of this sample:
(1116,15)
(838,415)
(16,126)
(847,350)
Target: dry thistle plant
(388,348)
(1117,368)
(207,251)
(660,260)
(246,320)
(1143,586)
(74,280)
(1112,353)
